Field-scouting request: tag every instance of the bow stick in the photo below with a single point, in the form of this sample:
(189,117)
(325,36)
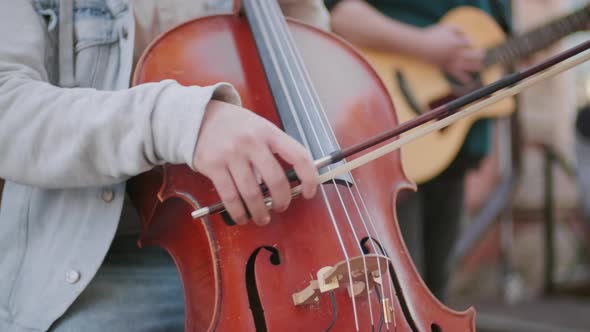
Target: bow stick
(445,115)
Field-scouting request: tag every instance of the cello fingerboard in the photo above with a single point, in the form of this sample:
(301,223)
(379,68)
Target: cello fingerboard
(297,103)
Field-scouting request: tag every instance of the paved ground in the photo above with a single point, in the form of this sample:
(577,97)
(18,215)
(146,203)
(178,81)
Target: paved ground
(559,314)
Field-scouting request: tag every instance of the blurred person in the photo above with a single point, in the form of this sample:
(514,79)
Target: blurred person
(429,219)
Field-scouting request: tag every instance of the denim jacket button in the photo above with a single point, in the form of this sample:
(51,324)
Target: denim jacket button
(72,276)
(108,195)
(124,33)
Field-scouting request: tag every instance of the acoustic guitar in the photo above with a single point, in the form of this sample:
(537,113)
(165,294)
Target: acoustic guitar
(417,87)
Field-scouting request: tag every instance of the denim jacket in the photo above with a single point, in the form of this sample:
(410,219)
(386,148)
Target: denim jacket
(71,133)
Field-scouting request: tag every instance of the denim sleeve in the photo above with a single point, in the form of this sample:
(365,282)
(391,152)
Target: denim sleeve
(54,137)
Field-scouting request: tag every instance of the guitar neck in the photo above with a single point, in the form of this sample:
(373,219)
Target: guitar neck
(537,39)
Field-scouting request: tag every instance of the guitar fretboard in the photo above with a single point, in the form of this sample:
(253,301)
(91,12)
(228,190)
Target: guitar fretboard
(537,39)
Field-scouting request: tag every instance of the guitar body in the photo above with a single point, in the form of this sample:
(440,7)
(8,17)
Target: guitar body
(415,86)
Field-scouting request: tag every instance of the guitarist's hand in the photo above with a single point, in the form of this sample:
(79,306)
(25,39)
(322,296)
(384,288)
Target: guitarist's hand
(447,47)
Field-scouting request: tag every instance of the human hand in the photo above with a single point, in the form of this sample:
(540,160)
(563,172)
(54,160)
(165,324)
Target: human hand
(234,146)
(447,47)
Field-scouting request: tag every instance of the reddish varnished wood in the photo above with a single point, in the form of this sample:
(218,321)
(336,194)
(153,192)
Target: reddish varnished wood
(211,257)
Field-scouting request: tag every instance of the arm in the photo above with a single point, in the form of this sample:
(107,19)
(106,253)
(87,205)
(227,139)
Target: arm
(441,45)
(58,138)
(54,137)
(363,25)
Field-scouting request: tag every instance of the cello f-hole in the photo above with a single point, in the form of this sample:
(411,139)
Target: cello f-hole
(253,294)
(366,249)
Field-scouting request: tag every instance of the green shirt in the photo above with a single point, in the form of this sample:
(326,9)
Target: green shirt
(423,13)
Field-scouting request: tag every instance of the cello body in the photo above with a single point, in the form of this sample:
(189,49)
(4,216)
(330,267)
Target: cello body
(243,278)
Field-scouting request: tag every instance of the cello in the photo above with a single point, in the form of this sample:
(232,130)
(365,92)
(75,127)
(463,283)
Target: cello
(336,262)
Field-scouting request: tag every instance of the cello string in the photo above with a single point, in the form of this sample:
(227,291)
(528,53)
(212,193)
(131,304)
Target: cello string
(282,28)
(281,25)
(257,13)
(315,99)
(304,106)
(387,271)
(287,37)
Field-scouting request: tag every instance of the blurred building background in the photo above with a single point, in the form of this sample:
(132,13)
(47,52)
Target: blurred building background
(533,262)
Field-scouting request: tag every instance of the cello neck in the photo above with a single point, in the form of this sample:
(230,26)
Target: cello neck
(295,98)
(292,91)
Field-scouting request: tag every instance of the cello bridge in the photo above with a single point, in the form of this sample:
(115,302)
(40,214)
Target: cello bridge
(362,269)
